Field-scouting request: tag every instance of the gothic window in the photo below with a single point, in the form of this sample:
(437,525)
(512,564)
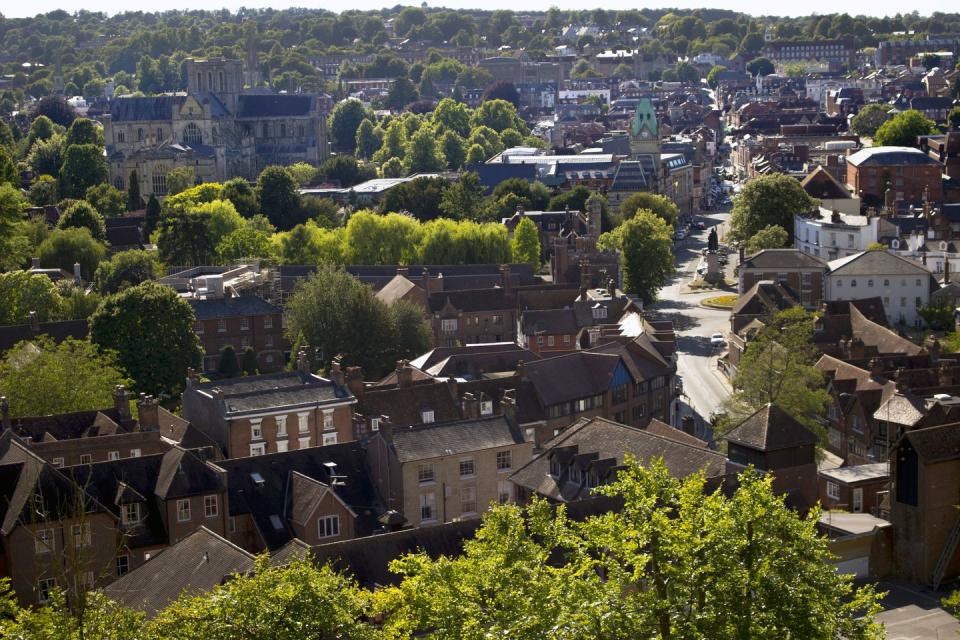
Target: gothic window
(192,134)
(118,183)
(283,130)
(266,130)
(223,84)
(140,135)
(121,135)
(159,184)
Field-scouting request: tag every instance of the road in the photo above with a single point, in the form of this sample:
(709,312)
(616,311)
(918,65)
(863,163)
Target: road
(704,386)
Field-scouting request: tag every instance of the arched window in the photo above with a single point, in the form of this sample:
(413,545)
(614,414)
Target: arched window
(140,135)
(118,183)
(223,84)
(192,134)
(121,137)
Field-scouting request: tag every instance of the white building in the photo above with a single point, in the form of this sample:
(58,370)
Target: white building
(834,234)
(903,284)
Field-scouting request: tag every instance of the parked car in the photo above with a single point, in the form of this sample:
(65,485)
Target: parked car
(699,224)
(716,340)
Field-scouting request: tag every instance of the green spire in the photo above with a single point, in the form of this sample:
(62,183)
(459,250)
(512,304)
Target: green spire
(645,118)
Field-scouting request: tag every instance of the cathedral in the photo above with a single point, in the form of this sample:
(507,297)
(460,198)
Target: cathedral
(217,128)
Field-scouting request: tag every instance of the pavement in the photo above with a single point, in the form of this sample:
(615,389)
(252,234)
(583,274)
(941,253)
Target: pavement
(705,388)
(914,613)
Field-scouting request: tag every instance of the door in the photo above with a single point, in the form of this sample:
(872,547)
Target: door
(857,500)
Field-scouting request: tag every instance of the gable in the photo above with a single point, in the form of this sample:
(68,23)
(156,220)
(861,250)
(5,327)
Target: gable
(191,109)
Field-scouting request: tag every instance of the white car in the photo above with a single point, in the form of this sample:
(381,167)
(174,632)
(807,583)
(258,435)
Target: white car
(716,340)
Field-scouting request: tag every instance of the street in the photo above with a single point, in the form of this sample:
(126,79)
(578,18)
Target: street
(704,386)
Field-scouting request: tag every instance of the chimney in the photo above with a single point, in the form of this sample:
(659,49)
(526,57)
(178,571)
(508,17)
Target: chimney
(743,254)
(5,412)
(217,394)
(876,368)
(584,278)
(191,377)
(336,372)
(889,202)
(508,405)
(944,377)
(403,271)
(34,263)
(470,406)
(505,276)
(611,288)
(404,374)
(946,270)
(121,402)
(34,322)
(77,279)
(303,363)
(354,380)
(835,216)
(900,378)
(934,350)
(386,429)
(521,369)
(148,411)
(425,280)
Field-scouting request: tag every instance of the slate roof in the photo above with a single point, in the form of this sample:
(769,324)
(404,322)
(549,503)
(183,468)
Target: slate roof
(436,440)
(549,321)
(901,408)
(571,376)
(886,156)
(68,426)
(511,351)
(858,473)
(134,109)
(783,259)
(195,565)
(936,444)
(771,429)
(215,308)
(765,298)
(605,444)
(820,183)
(271,391)
(394,290)
(875,263)
(473,300)
(404,405)
(273,501)
(58,331)
(273,105)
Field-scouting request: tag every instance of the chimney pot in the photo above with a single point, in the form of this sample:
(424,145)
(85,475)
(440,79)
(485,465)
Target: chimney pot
(148,412)
(34,322)
(76,273)
(303,362)
(5,412)
(121,401)
(34,263)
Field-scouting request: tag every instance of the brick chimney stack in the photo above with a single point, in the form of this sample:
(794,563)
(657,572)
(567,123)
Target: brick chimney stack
(303,363)
(404,374)
(34,322)
(354,378)
(470,406)
(336,372)
(121,402)
(148,411)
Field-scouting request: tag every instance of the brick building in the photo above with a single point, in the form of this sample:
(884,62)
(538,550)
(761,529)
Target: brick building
(246,321)
(800,271)
(909,173)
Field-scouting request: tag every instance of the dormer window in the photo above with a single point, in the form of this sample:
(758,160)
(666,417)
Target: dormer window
(555,469)
(486,407)
(576,477)
(426,415)
(130,513)
(599,312)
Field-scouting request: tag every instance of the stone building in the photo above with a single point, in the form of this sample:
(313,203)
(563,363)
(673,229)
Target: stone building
(217,128)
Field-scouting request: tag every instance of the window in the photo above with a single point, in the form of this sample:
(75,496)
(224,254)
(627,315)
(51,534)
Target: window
(870,283)
(159,134)
(539,341)
(267,340)
(44,542)
(81,534)
(374,424)
(282,446)
(851,241)
(130,513)
(121,137)
(283,130)
(244,324)
(496,318)
(258,449)
(425,472)
(303,424)
(903,302)
(140,134)
(303,443)
(159,182)
(555,469)
(268,322)
(781,277)
(833,490)
(281,426)
(198,328)
(428,503)
(211,506)
(619,394)
(504,460)
(58,462)
(256,432)
(886,283)
(839,283)
(468,500)
(566,339)
(328,526)
(328,420)
(549,341)
(86,458)
(123,565)
(448,326)
(222,325)
(918,282)
(466,468)
(45,589)
(329,438)
(426,416)
(183,510)
(638,412)
(858,424)
(486,407)
(575,476)
(504,492)
(135,453)
(853,283)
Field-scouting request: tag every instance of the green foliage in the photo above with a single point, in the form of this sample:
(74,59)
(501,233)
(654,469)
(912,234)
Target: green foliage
(249,366)
(84,131)
(768,200)
(778,368)
(770,237)
(106,199)
(242,195)
(423,153)
(81,215)
(368,139)
(344,122)
(179,180)
(11,215)
(151,329)
(646,245)
(228,366)
(452,149)
(760,67)
(346,170)
(712,75)
(134,200)
(525,245)
(151,217)
(41,377)
(420,197)
(498,115)
(534,196)
(953,118)
(22,292)
(402,92)
(126,269)
(869,119)
(938,316)
(65,247)
(662,206)
(451,115)
(83,167)
(304,173)
(44,191)
(279,198)
(463,199)
(184,239)
(903,129)
(46,155)
(78,304)
(8,172)
(244,242)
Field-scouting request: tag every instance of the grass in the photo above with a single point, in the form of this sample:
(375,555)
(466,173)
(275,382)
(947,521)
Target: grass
(721,302)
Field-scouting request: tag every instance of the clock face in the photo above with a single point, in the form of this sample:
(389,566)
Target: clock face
(645,134)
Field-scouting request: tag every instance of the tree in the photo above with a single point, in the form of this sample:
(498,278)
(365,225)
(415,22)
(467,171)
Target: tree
(46,156)
(535,196)
(938,316)
(368,139)
(423,154)
(760,67)
(134,201)
(151,217)
(451,115)
(402,92)
(768,200)
(662,206)
(83,167)
(502,90)
(241,194)
(453,151)
(151,329)
(475,155)
(525,246)
(869,119)
(184,239)
(715,70)
(106,199)
(903,129)
(40,129)
(44,191)
(22,292)
(228,366)
(498,115)
(345,170)
(65,247)
(8,171)
(126,269)
(413,334)
(345,120)
(646,246)
(244,242)
(179,180)
(953,118)
(421,197)
(463,198)
(70,615)
(778,368)
(11,215)
(41,377)
(279,197)
(770,237)
(57,109)
(84,131)
(249,366)
(80,214)
(687,73)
